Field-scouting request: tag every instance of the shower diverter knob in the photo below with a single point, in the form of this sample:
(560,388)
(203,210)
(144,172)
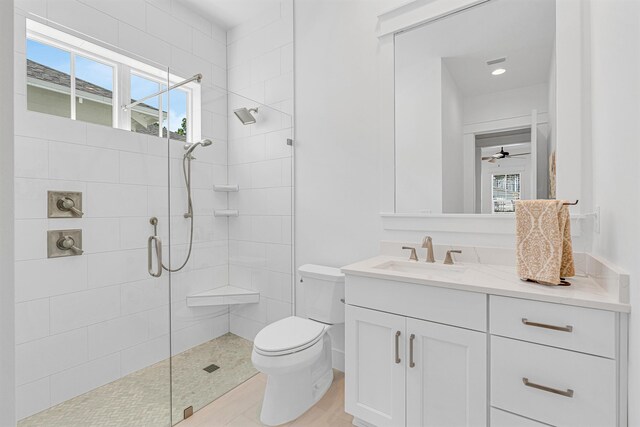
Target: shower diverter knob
(67,243)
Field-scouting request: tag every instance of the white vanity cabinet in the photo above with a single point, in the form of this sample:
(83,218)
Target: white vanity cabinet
(427,355)
(403,371)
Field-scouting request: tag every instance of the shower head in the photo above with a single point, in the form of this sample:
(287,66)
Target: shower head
(191,147)
(245,115)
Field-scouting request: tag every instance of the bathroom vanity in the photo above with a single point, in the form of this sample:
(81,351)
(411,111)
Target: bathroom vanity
(470,344)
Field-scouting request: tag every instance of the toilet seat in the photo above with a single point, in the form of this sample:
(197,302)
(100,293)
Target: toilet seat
(288,335)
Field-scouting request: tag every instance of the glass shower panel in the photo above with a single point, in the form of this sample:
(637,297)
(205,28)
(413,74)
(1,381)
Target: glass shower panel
(93,345)
(239,277)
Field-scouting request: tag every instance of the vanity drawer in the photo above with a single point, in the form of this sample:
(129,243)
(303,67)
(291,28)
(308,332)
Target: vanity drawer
(501,418)
(436,304)
(574,328)
(554,386)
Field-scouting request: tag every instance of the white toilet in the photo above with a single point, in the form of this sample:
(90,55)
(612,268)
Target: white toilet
(295,353)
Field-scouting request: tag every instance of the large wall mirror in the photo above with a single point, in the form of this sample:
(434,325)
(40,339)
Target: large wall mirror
(475,109)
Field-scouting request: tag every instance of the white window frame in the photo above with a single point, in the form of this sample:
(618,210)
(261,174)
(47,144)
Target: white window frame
(123,67)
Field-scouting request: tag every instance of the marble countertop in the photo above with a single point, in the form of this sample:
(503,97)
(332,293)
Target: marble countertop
(493,280)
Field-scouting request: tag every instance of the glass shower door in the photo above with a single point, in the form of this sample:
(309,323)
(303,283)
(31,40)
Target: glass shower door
(93,320)
(239,276)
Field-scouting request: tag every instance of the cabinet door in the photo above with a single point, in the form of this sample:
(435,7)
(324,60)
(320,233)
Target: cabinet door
(447,381)
(375,366)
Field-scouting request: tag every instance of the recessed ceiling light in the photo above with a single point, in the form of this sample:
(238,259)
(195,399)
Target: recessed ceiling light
(498,71)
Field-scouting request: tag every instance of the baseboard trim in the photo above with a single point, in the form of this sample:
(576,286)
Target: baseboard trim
(337,359)
(359,423)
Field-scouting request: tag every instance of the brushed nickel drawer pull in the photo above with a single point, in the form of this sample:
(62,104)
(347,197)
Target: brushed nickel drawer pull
(412,337)
(398,347)
(567,393)
(567,328)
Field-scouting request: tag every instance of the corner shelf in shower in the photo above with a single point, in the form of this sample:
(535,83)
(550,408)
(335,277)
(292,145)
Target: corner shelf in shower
(226,188)
(226,212)
(225,295)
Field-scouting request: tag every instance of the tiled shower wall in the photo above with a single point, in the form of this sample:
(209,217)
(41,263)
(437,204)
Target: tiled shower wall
(260,61)
(87,320)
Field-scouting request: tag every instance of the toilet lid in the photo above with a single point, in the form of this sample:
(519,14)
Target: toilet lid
(288,334)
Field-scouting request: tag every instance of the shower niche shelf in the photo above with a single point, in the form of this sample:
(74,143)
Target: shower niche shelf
(226,212)
(225,295)
(226,188)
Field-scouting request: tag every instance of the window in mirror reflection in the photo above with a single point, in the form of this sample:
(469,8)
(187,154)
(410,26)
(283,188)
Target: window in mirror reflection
(505,190)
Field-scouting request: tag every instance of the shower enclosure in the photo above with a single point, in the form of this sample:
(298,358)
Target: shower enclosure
(154,211)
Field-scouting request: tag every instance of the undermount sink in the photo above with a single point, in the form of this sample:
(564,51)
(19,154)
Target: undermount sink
(419,267)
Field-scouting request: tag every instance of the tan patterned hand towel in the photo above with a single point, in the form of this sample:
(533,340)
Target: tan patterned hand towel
(543,241)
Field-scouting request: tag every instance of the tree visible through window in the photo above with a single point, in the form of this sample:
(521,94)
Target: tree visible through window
(505,190)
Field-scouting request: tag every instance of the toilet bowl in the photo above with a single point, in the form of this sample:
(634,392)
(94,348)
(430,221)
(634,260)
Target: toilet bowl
(295,352)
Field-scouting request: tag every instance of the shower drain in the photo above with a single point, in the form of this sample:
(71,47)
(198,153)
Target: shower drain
(212,368)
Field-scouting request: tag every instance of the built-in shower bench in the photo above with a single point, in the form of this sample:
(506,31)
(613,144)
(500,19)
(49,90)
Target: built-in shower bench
(225,295)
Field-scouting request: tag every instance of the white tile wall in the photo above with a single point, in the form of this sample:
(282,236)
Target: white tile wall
(85,321)
(260,61)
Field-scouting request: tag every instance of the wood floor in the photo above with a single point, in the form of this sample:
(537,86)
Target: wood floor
(241,408)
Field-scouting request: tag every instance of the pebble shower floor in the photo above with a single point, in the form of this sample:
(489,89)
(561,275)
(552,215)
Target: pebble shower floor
(141,399)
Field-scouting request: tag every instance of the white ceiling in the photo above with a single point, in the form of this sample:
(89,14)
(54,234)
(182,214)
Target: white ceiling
(229,13)
(523,31)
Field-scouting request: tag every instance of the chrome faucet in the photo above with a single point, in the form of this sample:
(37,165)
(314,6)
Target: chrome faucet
(449,259)
(414,255)
(427,243)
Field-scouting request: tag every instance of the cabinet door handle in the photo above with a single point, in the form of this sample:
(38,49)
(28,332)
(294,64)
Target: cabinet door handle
(398,347)
(567,328)
(567,393)
(412,337)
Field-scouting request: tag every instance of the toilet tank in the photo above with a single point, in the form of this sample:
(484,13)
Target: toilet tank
(323,292)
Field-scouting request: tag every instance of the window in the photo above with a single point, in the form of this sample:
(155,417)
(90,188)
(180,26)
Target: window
(66,84)
(94,91)
(169,109)
(73,78)
(48,79)
(505,190)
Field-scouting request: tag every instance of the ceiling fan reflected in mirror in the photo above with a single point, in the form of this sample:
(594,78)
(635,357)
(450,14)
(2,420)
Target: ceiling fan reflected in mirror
(502,155)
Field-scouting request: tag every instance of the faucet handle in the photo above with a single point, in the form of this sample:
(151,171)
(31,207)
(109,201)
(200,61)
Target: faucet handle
(449,259)
(414,255)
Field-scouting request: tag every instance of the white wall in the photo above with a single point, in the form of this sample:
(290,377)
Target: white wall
(419,141)
(452,140)
(506,104)
(7,307)
(337,175)
(101,313)
(260,60)
(615,109)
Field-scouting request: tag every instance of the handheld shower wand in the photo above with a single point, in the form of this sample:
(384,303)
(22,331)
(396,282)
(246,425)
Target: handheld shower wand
(191,147)
(186,170)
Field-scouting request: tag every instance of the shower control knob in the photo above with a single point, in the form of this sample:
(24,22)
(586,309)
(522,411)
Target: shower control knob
(68,205)
(67,243)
